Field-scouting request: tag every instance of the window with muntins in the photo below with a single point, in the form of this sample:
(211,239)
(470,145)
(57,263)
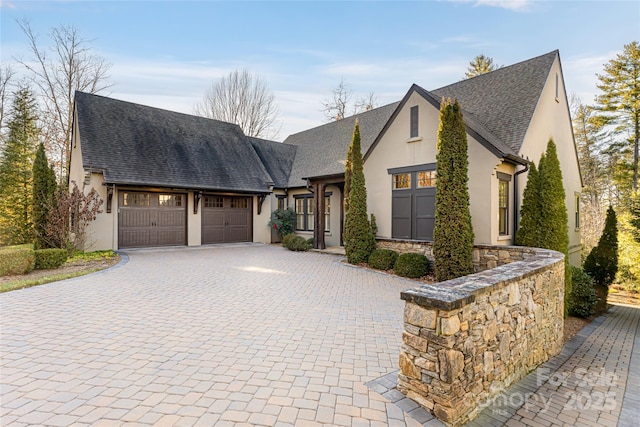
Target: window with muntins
(135,199)
(213,201)
(304,212)
(170,200)
(401,181)
(503,207)
(426,179)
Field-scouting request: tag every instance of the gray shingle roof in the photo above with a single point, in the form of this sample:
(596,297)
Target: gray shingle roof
(277,158)
(504,100)
(322,150)
(139,145)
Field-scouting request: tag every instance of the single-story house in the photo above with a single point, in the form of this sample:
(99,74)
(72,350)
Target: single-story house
(175,179)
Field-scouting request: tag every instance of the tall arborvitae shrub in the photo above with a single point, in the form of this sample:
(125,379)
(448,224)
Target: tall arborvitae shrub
(359,241)
(44,189)
(602,261)
(544,222)
(453,232)
(529,232)
(554,221)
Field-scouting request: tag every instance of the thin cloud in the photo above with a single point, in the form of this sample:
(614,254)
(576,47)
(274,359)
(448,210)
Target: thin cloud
(514,5)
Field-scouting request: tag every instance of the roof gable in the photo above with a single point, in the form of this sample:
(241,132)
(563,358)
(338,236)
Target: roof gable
(504,100)
(138,145)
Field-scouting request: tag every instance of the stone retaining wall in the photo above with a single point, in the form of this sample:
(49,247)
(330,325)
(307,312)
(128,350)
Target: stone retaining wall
(466,340)
(484,256)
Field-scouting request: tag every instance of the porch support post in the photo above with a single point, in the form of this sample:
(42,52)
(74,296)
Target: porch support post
(342,195)
(318,215)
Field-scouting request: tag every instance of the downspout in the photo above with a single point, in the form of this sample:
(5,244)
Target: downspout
(516,211)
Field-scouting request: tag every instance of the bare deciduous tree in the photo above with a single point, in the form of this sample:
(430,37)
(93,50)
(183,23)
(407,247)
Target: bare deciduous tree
(336,108)
(366,103)
(243,98)
(67,66)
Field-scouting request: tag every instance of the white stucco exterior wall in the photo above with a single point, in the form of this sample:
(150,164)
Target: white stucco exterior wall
(552,120)
(396,149)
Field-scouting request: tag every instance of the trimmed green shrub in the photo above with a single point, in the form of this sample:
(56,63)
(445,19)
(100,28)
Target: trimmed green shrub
(16,260)
(296,243)
(452,231)
(412,265)
(310,242)
(49,258)
(383,259)
(583,299)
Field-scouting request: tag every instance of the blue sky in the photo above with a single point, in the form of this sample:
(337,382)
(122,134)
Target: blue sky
(167,53)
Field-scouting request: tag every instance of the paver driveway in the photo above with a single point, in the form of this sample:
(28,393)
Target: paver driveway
(208,336)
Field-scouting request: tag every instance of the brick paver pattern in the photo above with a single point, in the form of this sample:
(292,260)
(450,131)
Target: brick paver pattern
(257,335)
(232,335)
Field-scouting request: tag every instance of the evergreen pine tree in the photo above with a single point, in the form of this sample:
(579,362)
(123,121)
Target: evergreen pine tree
(44,188)
(348,173)
(602,261)
(529,232)
(453,232)
(359,241)
(16,223)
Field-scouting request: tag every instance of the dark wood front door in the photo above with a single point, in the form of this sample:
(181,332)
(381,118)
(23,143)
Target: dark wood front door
(151,219)
(226,219)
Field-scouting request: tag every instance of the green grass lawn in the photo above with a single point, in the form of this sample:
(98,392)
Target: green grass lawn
(85,263)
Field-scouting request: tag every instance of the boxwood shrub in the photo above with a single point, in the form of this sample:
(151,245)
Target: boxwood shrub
(383,259)
(412,265)
(295,243)
(583,298)
(16,260)
(50,258)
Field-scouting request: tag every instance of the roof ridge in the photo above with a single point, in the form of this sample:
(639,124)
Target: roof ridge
(501,69)
(333,122)
(136,104)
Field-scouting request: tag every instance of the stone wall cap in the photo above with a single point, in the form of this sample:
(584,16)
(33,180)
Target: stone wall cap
(456,293)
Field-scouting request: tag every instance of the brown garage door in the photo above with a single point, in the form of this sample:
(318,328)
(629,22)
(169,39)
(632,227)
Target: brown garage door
(226,219)
(152,219)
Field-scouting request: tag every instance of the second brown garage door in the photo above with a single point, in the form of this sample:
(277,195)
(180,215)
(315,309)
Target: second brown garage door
(226,219)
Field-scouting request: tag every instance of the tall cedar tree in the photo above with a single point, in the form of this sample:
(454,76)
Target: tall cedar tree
(16,207)
(44,189)
(529,232)
(602,261)
(359,241)
(453,232)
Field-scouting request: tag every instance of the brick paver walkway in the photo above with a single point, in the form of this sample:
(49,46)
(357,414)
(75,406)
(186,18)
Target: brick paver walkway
(594,381)
(257,335)
(235,335)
